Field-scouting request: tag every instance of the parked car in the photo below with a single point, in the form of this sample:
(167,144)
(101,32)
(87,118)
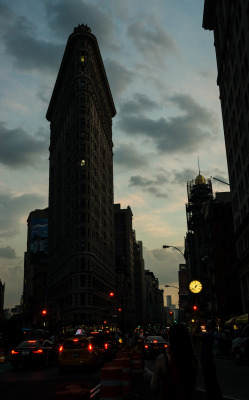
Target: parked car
(79,351)
(153,346)
(38,352)
(240,346)
(108,343)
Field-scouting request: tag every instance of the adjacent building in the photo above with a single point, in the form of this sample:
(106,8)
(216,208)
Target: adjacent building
(81,266)
(35,268)
(124,265)
(221,260)
(2,289)
(139,278)
(229,21)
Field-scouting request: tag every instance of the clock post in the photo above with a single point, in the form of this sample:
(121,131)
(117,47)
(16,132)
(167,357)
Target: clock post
(195,288)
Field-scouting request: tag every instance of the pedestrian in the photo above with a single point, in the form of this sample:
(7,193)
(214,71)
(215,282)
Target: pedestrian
(208,363)
(175,370)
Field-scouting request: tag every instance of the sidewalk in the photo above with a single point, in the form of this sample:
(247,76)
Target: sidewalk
(141,390)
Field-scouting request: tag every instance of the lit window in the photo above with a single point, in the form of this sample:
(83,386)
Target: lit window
(82,163)
(82,59)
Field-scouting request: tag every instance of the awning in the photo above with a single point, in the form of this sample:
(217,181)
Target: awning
(242,319)
(231,320)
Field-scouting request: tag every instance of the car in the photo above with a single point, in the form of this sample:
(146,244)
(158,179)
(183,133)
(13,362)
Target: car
(79,351)
(108,343)
(35,352)
(153,346)
(240,347)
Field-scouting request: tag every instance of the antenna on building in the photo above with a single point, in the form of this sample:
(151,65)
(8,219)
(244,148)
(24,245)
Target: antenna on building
(199,166)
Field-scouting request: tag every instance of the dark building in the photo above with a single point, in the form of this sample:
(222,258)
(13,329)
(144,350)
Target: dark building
(35,268)
(81,270)
(223,292)
(124,263)
(2,289)
(154,300)
(139,278)
(229,21)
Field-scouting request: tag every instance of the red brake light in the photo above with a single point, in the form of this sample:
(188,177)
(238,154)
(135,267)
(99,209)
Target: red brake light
(31,341)
(154,341)
(76,340)
(60,349)
(38,351)
(14,352)
(90,347)
(165,345)
(146,346)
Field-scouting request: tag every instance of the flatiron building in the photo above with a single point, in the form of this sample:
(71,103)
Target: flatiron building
(81,267)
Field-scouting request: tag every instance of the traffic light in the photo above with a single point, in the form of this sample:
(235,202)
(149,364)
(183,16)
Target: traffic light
(171,313)
(44,312)
(111,294)
(195,308)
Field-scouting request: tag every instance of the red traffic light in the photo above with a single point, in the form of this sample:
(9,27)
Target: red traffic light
(44,312)
(111,294)
(195,308)
(171,313)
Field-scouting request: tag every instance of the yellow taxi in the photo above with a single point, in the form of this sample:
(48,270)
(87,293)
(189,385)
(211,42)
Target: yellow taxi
(80,351)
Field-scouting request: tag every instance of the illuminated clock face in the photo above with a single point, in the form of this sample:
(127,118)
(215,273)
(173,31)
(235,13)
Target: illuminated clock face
(195,286)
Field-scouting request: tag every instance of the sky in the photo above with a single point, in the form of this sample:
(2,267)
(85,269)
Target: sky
(162,72)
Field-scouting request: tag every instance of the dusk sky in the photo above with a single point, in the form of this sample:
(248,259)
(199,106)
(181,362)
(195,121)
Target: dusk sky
(162,71)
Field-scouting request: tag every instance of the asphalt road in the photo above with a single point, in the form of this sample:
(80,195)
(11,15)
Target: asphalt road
(44,384)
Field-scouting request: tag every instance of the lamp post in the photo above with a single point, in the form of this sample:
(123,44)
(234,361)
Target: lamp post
(165,246)
(172,286)
(182,299)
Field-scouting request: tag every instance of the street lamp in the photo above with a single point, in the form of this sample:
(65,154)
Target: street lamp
(172,286)
(165,246)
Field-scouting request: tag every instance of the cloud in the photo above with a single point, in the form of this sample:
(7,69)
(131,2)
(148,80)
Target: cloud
(139,104)
(12,276)
(181,133)
(63,16)
(151,40)
(152,185)
(28,52)
(14,208)
(7,252)
(164,263)
(118,76)
(181,177)
(126,155)
(20,149)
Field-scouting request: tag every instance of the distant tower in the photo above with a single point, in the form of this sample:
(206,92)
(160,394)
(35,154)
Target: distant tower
(169,301)
(81,269)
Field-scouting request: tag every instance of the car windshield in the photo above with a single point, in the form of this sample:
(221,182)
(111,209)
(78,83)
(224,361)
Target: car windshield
(29,343)
(152,339)
(75,344)
(101,337)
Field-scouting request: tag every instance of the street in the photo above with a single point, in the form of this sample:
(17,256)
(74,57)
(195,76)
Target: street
(43,384)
